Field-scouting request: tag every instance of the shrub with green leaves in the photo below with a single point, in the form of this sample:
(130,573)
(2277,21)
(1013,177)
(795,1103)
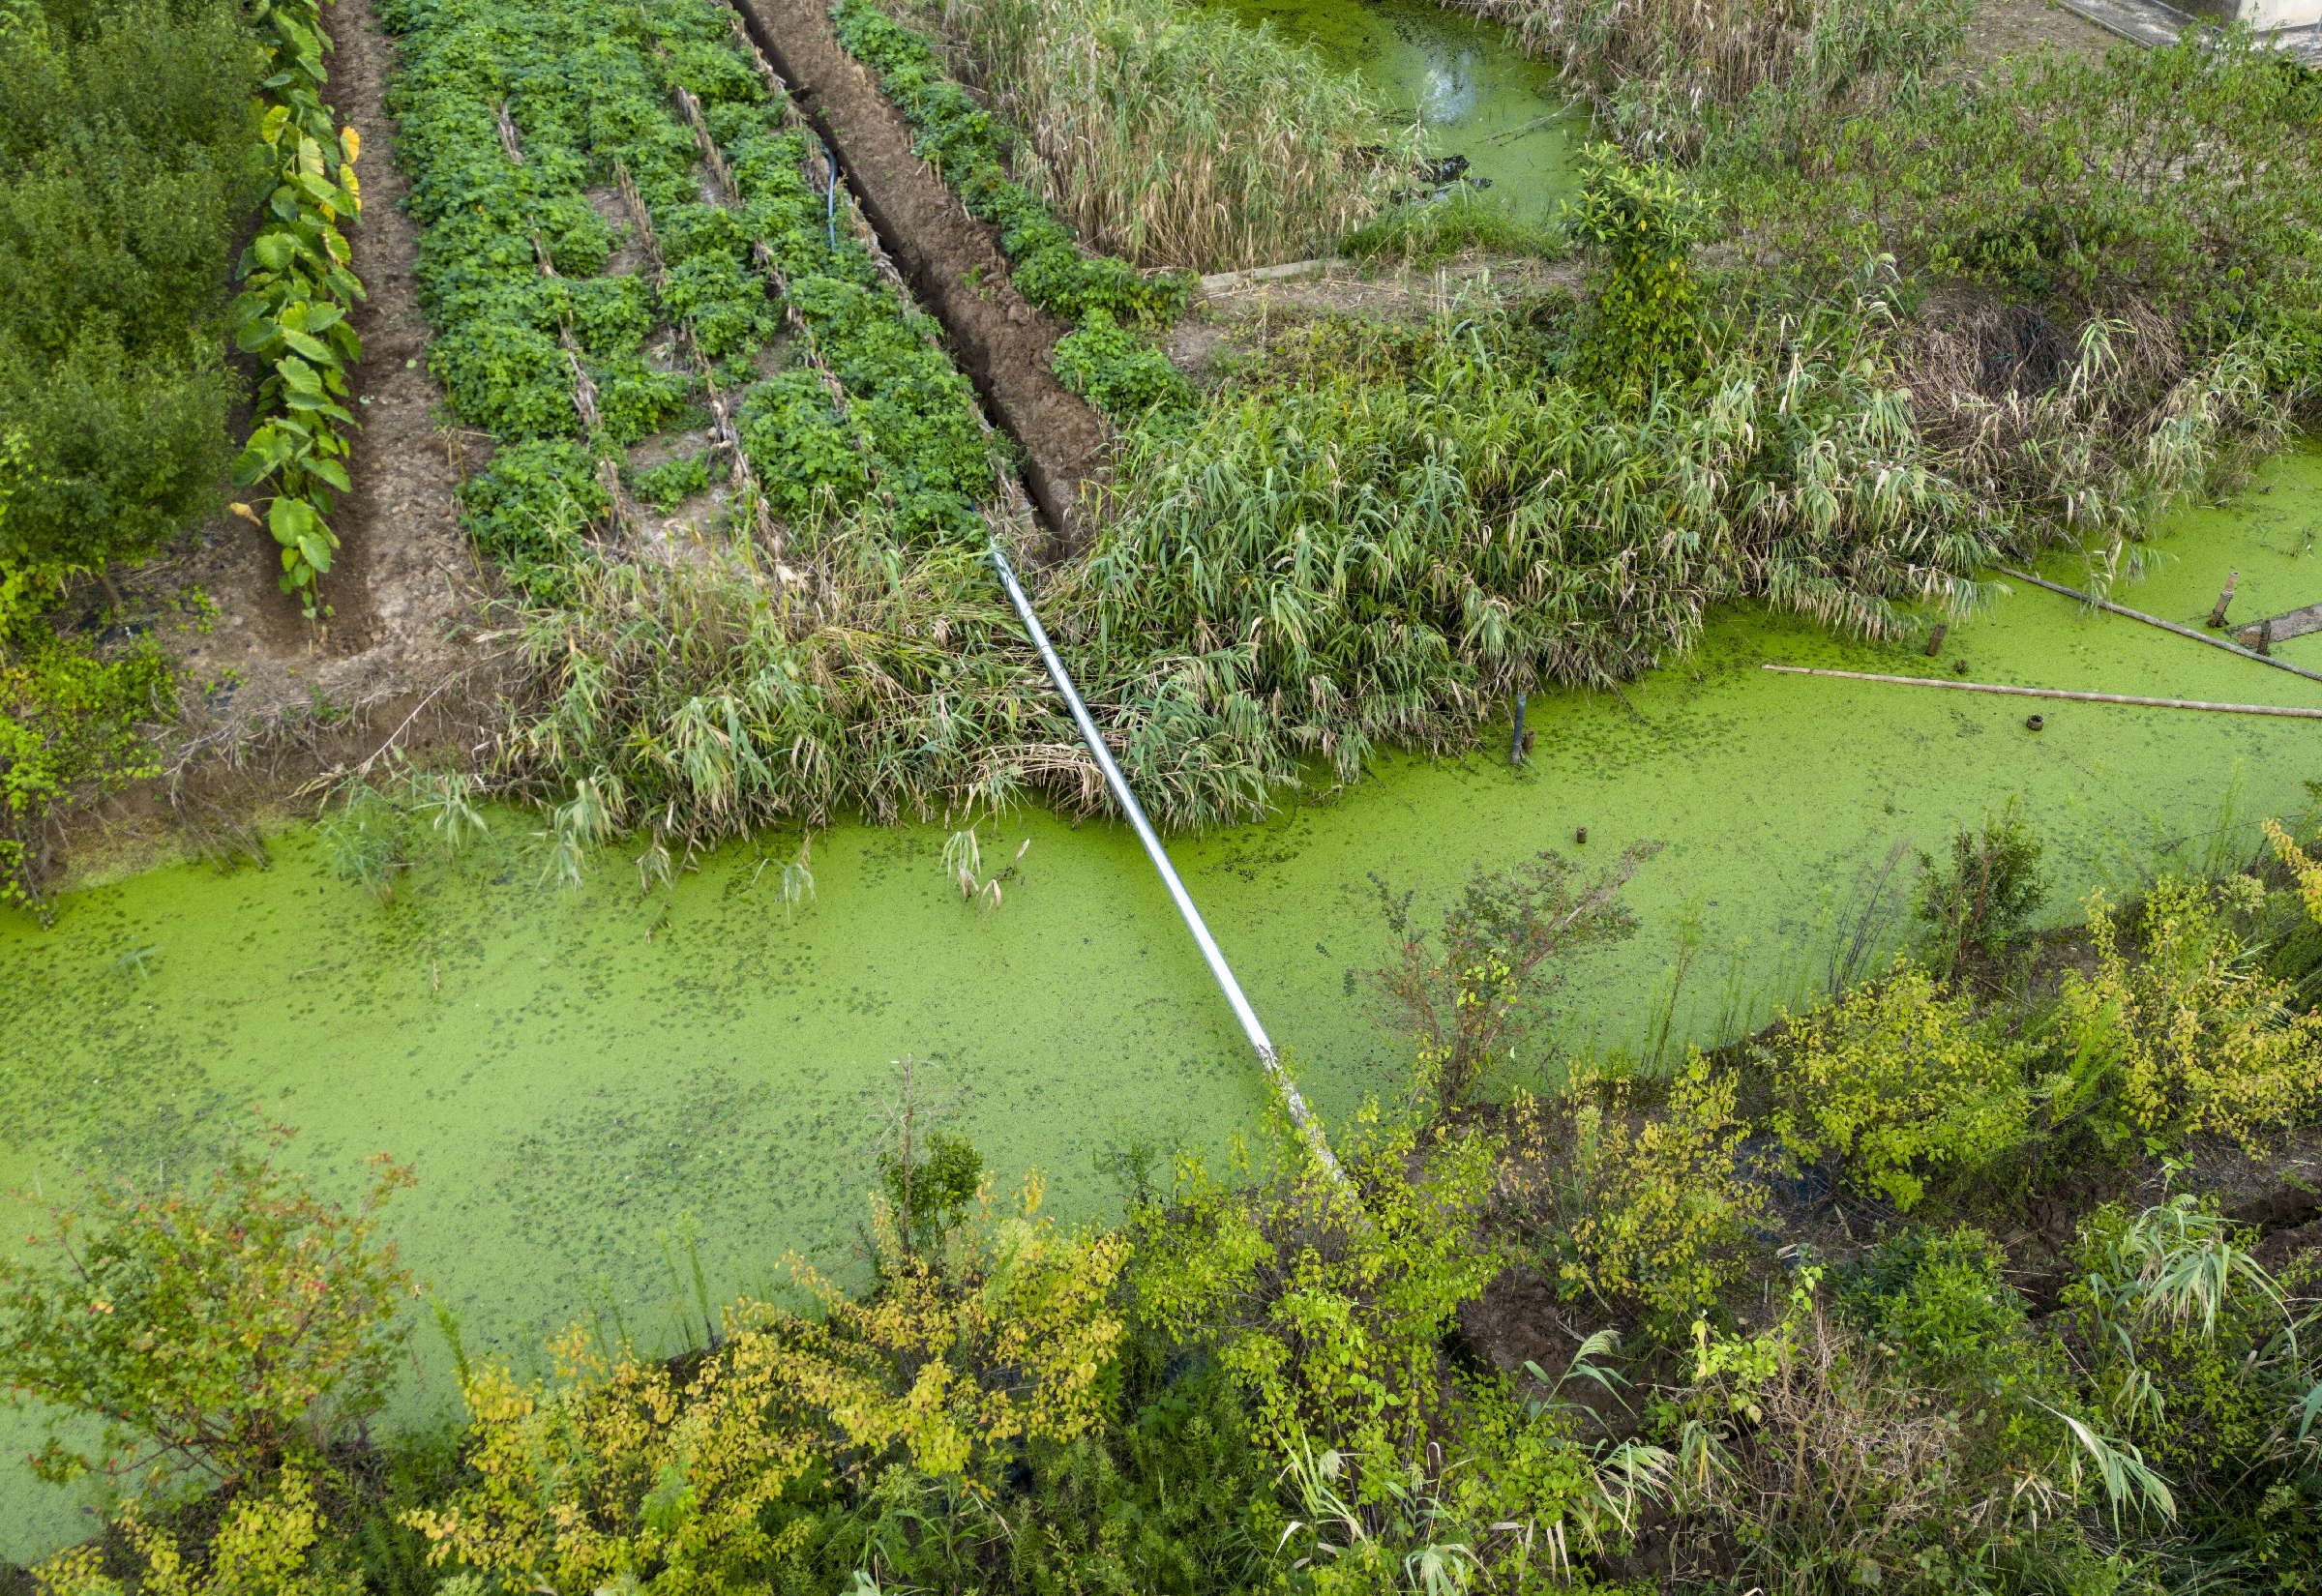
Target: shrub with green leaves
(129,159)
(1468,997)
(71,727)
(1637,225)
(1895,1086)
(2175,1030)
(1633,1192)
(2210,1364)
(1325,1302)
(1982,901)
(223,1327)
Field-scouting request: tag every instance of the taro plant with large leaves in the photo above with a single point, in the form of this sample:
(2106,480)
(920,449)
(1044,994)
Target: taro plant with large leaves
(297,283)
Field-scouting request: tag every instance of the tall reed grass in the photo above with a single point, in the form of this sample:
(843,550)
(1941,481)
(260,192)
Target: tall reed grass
(1175,137)
(1663,73)
(1390,532)
(698,702)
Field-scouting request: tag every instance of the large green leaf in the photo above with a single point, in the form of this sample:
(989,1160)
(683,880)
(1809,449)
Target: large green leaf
(312,348)
(291,520)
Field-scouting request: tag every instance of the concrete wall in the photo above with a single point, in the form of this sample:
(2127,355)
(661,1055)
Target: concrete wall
(2278,14)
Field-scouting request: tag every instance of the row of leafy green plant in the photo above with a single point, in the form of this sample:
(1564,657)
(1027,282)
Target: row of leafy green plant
(1269,1378)
(591,94)
(1105,301)
(298,284)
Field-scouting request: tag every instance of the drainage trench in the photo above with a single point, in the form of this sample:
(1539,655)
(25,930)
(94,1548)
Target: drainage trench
(949,258)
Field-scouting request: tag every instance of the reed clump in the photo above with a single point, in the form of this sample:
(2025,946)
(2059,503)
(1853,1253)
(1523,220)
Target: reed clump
(702,702)
(1174,137)
(1662,74)
(1385,532)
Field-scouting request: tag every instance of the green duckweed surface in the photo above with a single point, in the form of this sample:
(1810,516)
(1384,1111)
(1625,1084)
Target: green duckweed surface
(1456,74)
(583,1077)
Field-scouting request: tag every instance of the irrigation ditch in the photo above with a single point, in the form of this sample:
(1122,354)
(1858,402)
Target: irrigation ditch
(593,1074)
(1003,342)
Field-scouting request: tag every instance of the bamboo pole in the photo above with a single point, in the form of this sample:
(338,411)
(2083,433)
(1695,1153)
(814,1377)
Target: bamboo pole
(2165,626)
(2052,692)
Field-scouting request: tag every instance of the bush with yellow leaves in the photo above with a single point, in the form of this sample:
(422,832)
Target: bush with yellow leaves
(1640,1206)
(2189,1034)
(264,1545)
(1327,1302)
(1898,1085)
(2305,870)
(634,1473)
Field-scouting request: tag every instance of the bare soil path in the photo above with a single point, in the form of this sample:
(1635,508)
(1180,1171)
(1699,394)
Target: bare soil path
(950,260)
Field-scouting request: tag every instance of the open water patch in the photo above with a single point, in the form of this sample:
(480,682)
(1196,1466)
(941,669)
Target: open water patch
(1459,77)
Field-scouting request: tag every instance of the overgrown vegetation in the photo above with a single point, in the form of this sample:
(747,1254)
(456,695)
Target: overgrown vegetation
(130,162)
(1381,534)
(136,138)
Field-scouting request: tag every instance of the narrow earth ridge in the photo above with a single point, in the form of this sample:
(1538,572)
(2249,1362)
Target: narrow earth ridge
(950,260)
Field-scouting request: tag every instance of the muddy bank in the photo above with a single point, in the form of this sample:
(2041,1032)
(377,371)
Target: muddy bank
(950,260)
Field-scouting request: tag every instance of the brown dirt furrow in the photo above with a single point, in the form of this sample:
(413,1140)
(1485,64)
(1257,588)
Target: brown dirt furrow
(950,260)
(399,525)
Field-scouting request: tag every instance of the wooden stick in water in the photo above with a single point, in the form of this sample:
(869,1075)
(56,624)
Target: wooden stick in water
(2288,710)
(2156,620)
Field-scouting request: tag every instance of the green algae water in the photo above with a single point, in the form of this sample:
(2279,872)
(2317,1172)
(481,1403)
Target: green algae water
(1456,76)
(588,1077)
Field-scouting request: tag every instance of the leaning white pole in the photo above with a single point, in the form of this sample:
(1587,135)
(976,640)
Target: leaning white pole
(1299,1114)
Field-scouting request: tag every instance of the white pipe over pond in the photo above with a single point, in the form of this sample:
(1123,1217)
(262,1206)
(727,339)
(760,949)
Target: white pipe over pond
(1299,1114)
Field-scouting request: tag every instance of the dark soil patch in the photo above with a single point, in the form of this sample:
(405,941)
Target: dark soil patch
(400,522)
(949,258)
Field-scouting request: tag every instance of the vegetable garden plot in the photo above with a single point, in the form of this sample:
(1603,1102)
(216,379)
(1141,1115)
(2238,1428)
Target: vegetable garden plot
(831,639)
(513,118)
